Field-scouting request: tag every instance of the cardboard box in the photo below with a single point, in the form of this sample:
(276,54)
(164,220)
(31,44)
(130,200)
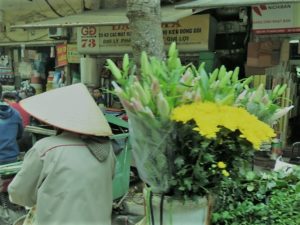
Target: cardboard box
(252,61)
(253,48)
(263,54)
(265,47)
(276,45)
(262,61)
(275,57)
(251,70)
(265,60)
(285,51)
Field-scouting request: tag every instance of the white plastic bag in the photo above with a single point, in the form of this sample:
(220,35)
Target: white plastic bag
(284,166)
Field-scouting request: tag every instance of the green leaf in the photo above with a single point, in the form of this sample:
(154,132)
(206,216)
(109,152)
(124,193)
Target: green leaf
(222,72)
(250,187)
(281,90)
(201,67)
(179,161)
(145,65)
(204,84)
(188,183)
(247,81)
(213,76)
(298,187)
(227,100)
(235,75)
(250,175)
(271,184)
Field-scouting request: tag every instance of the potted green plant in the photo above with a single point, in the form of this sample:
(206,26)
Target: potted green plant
(189,130)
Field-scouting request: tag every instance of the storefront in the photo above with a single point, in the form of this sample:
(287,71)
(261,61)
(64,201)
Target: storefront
(104,34)
(30,54)
(27,61)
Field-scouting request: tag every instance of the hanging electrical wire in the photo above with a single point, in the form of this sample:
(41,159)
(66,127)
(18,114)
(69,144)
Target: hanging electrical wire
(51,7)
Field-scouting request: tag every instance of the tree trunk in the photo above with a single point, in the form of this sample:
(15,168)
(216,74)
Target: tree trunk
(145,24)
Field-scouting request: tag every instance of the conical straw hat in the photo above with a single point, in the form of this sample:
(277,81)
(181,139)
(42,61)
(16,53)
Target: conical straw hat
(70,108)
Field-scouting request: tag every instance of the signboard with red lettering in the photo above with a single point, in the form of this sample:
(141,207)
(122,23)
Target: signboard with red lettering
(193,33)
(276,18)
(61,55)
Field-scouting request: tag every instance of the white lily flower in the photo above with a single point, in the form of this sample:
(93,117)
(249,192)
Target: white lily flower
(280,112)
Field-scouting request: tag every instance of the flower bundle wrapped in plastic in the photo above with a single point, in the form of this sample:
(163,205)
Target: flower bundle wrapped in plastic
(148,100)
(153,97)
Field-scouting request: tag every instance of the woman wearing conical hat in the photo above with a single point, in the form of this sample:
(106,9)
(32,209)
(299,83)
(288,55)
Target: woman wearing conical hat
(68,177)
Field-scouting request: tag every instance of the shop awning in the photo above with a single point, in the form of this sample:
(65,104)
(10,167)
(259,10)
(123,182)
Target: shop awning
(207,4)
(31,43)
(102,17)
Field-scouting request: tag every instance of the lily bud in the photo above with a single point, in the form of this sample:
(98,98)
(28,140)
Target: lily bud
(117,88)
(187,96)
(241,96)
(163,107)
(149,112)
(187,77)
(259,93)
(137,105)
(197,96)
(127,105)
(265,100)
(114,69)
(119,91)
(141,93)
(155,87)
(280,112)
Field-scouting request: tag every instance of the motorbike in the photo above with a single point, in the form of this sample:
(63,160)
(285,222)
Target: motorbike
(9,212)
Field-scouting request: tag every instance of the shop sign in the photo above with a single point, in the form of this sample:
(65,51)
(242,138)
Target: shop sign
(72,54)
(193,33)
(276,18)
(61,55)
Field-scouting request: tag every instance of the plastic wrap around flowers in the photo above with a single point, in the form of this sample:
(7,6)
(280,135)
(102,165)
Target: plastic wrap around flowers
(209,117)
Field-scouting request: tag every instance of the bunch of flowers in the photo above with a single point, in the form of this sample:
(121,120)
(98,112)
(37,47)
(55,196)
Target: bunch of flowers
(264,104)
(189,129)
(213,145)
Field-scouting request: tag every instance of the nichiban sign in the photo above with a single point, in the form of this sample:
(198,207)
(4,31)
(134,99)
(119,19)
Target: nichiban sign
(276,18)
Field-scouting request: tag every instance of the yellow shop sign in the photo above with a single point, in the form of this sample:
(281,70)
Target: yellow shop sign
(192,34)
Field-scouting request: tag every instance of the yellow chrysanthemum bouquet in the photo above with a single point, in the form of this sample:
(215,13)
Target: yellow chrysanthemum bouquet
(189,129)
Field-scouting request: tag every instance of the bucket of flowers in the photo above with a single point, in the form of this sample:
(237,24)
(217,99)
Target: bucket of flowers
(190,130)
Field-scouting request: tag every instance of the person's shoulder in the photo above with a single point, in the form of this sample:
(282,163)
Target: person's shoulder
(19,108)
(45,144)
(15,111)
(59,140)
(48,141)
(15,106)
